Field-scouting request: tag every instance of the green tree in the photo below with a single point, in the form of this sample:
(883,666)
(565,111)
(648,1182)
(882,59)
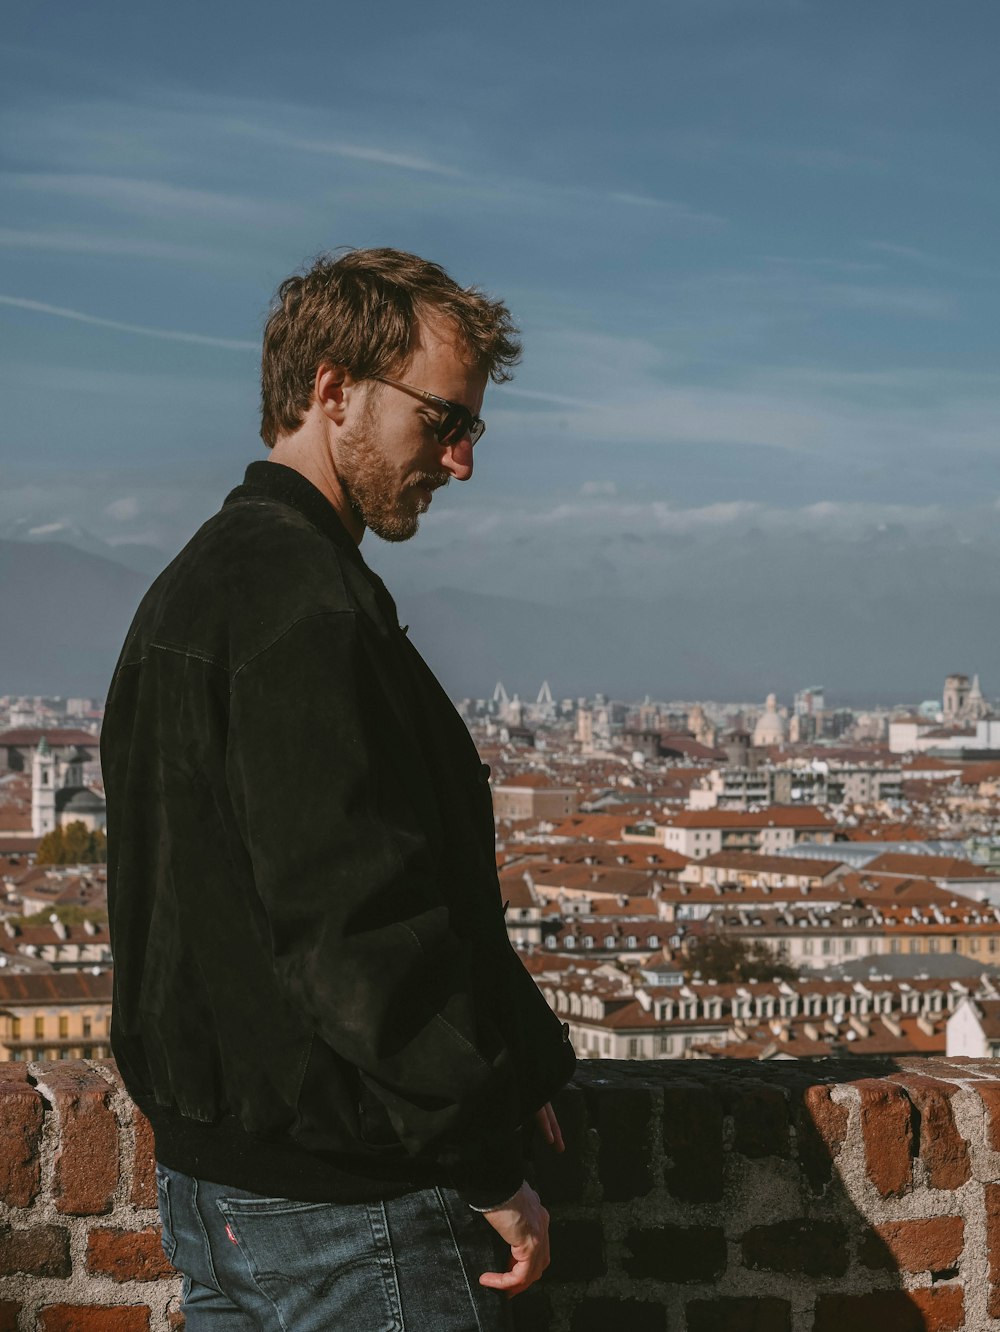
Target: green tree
(51,849)
(728,957)
(73,845)
(76,843)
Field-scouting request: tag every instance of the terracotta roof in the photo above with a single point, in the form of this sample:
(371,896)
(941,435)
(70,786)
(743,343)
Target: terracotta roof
(776,816)
(791,865)
(55,987)
(32,735)
(929,867)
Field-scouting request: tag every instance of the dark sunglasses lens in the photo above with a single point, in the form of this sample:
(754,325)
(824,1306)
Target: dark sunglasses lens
(456,425)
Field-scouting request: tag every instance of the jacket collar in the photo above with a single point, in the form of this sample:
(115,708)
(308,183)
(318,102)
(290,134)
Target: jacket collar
(287,486)
(278,482)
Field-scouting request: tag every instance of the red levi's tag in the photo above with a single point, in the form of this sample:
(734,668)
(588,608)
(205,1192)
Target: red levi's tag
(230,1234)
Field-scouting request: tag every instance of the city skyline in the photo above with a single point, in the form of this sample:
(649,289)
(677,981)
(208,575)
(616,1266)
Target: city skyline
(755,276)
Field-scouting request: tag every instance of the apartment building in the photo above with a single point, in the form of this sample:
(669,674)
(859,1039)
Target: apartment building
(60,1015)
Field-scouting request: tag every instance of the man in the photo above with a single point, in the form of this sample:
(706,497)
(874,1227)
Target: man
(315,1000)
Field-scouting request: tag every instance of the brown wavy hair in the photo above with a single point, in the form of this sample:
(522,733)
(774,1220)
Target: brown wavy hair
(361,310)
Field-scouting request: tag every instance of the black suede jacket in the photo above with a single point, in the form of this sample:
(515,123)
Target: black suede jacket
(314,992)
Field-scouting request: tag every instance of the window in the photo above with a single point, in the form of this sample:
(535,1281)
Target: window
(15,1029)
(39,1028)
(994,943)
(609,941)
(588,941)
(666,1045)
(652,941)
(631,941)
(63,1024)
(633,1047)
(86,1024)
(896,946)
(933,945)
(954,945)
(807,945)
(848,945)
(827,946)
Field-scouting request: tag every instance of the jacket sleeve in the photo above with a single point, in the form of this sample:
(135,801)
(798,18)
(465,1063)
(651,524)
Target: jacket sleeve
(362,936)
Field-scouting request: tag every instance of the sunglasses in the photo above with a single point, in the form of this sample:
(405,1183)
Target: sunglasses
(456,422)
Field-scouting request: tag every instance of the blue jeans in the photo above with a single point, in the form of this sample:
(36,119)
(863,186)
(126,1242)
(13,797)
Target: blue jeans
(255,1264)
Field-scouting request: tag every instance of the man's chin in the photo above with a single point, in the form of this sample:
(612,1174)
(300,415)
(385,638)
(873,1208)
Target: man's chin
(396,529)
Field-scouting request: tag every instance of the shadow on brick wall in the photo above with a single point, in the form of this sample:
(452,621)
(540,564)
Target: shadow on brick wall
(726,1196)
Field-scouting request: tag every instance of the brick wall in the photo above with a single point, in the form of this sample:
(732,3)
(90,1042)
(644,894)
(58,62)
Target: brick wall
(693,1197)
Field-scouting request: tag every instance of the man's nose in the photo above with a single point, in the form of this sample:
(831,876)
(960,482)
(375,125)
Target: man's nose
(456,458)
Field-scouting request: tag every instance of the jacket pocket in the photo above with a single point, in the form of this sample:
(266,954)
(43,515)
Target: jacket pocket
(374,1124)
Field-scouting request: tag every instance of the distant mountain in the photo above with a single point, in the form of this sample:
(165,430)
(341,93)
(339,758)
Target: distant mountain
(142,558)
(880,630)
(63,617)
(877,649)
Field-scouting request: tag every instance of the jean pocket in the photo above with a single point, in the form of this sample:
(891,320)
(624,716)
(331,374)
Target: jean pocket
(320,1265)
(168,1238)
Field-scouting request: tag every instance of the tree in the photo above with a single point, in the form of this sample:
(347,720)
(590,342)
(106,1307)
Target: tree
(728,957)
(74,844)
(50,848)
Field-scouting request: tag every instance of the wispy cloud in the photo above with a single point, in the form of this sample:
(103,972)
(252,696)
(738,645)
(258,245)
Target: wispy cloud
(80,242)
(169,335)
(680,212)
(151,197)
(336,148)
(900,251)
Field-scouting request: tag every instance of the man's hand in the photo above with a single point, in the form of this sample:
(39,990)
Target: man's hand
(524,1225)
(547,1122)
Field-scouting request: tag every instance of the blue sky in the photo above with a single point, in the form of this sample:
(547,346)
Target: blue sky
(752,248)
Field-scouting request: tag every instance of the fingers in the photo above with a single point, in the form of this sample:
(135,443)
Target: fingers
(510,1283)
(524,1272)
(557,1137)
(549,1124)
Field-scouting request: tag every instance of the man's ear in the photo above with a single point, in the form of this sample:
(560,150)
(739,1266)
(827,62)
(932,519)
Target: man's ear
(332,388)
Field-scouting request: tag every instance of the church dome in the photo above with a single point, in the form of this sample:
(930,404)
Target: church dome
(770,728)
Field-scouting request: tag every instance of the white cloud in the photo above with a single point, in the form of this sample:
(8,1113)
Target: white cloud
(170,335)
(335,148)
(124,509)
(153,198)
(598,488)
(80,242)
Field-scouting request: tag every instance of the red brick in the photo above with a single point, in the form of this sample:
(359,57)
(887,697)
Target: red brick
(94,1318)
(622,1121)
(22,1112)
(143,1162)
(930,1245)
(127,1255)
(943,1150)
(992,1200)
(692,1139)
(9,1310)
(990,1094)
(739,1314)
(821,1125)
(675,1253)
(935,1309)
(887,1130)
(86,1175)
(37,1251)
(760,1119)
(817,1248)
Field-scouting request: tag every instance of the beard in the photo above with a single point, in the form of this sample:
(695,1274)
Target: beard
(386,505)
